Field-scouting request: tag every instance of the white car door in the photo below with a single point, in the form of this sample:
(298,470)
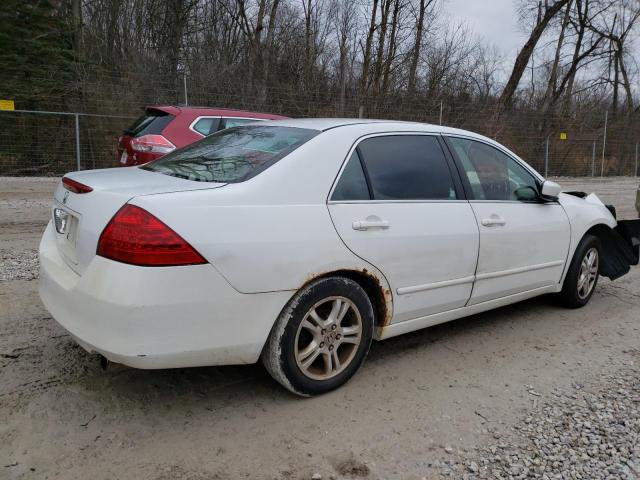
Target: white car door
(397,205)
(523,241)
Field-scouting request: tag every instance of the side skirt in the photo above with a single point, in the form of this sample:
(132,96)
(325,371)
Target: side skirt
(395,329)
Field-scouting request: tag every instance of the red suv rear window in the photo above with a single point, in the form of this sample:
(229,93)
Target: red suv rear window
(151,123)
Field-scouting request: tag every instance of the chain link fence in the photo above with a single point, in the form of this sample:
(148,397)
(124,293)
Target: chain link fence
(51,143)
(81,131)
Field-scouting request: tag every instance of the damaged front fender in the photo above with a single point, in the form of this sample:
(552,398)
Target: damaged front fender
(620,248)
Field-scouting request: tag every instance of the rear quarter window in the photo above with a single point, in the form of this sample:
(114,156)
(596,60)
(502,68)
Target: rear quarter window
(352,185)
(206,125)
(232,155)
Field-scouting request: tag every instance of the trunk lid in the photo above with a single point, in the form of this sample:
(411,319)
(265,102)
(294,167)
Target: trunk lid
(87,214)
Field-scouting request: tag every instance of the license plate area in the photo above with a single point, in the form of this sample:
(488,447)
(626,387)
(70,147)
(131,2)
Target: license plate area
(66,231)
(124,158)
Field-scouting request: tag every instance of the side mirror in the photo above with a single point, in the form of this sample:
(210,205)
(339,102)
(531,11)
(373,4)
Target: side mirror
(550,190)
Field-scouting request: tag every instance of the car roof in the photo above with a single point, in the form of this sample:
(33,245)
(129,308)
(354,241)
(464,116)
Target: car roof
(214,111)
(372,126)
(323,124)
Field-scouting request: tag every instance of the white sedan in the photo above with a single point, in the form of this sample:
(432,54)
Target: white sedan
(298,242)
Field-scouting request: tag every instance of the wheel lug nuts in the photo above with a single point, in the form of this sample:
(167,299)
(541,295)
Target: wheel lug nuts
(330,347)
(321,344)
(333,327)
(338,336)
(323,331)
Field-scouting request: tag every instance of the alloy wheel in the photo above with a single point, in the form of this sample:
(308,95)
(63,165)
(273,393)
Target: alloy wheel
(588,273)
(328,338)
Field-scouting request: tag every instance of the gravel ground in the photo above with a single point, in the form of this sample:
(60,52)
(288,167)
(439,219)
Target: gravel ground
(18,265)
(579,433)
(529,386)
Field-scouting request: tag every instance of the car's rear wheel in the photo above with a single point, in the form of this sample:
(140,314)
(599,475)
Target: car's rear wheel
(321,337)
(582,276)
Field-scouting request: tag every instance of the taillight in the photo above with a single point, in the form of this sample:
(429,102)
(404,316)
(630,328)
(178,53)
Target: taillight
(152,144)
(75,187)
(136,237)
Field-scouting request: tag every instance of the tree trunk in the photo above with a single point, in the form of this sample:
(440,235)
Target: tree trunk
(616,84)
(417,44)
(393,42)
(625,81)
(571,75)
(385,6)
(366,59)
(522,60)
(552,85)
(268,47)
(78,28)
(308,45)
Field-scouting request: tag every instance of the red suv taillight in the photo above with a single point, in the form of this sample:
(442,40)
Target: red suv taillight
(136,237)
(152,144)
(75,187)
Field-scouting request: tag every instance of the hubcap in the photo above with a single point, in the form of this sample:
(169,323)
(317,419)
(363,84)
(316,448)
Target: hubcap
(328,338)
(588,273)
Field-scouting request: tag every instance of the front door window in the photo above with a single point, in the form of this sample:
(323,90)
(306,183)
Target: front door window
(492,174)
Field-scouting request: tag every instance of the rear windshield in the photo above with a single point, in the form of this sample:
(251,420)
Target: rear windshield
(151,123)
(232,155)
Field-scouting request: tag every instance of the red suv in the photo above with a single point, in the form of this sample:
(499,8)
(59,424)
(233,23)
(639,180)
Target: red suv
(164,128)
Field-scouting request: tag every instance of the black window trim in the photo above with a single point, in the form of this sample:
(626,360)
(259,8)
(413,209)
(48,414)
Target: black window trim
(539,179)
(367,179)
(453,170)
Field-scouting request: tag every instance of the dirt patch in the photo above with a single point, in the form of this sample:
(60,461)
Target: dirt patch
(353,468)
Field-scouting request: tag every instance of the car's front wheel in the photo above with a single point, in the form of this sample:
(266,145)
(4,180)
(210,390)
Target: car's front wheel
(582,276)
(321,337)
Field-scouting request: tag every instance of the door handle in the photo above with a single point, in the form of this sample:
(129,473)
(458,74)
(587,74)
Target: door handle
(370,224)
(493,221)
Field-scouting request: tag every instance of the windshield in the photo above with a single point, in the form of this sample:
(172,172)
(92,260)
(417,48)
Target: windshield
(232,155)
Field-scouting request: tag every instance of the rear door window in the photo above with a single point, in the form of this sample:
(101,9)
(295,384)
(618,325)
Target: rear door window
(232,155)
(407,167)
(151,123)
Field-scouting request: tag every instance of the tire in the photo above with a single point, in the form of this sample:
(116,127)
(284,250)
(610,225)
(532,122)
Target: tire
(582,276)
(321,337)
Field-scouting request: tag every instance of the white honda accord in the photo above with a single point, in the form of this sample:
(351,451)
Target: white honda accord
(298,242)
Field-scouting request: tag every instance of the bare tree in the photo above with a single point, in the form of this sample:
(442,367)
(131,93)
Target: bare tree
(417,43)
(616,27)
(366,50)
(552,84)
(344,25)
(544,17)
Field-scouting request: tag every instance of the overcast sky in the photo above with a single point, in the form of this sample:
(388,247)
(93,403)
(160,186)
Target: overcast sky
(492,20)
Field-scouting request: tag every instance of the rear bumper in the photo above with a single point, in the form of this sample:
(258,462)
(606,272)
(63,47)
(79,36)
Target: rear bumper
(164,317)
